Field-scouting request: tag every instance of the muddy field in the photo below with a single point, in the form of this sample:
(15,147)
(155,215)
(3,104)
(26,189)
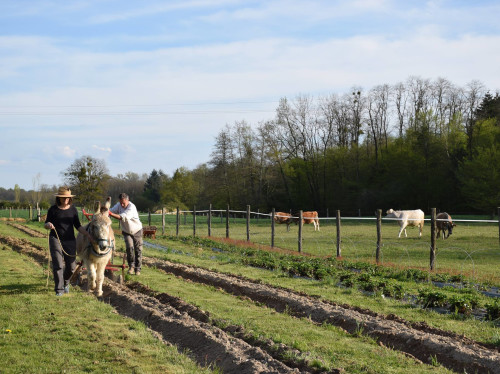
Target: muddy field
(183,325)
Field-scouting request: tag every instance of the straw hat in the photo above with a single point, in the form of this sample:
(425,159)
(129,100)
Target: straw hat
(64,192)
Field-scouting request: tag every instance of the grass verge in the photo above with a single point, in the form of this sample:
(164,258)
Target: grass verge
(42,333)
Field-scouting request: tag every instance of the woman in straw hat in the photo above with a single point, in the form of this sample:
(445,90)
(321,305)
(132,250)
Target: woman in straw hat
(61,218)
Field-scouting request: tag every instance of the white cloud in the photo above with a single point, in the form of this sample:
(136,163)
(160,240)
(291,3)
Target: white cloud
(165,88)
(102,149)
(68,151)
(4,162)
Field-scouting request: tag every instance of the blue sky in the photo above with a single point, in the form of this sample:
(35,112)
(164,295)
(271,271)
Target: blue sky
(149,84)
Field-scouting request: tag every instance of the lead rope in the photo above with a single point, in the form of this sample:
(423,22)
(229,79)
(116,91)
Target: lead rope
(48,259)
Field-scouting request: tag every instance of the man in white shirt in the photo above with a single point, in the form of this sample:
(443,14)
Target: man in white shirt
(131,226)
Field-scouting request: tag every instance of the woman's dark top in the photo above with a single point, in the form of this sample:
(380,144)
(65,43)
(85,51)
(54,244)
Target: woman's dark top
(64,220)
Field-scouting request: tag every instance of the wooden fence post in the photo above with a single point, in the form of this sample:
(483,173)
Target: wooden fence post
(339,240)
(272,227)
(248,223)
(31,214)
(209,221)
(379,234)
(163,220)
(227,222)
(300,231)
(177,222)
(149,217)
(10,212)
(433,238)
(194,221)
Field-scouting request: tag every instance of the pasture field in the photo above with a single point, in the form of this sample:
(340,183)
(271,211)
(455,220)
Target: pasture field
(323,346)
(18,213)
(472,250)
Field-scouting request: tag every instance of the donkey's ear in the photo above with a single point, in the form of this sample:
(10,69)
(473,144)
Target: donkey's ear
(108,202)
(97,206)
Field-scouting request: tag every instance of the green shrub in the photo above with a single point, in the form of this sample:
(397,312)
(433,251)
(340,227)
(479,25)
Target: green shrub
(493,310)
(370,285)
(392,289)
(431,298)
(365,277)
(347,279)
(457,278)
(440,277)
(464,304)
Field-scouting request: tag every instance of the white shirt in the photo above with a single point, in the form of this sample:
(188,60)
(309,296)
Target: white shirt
(130,222)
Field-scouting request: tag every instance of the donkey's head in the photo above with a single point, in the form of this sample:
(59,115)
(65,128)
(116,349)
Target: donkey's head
(100,227)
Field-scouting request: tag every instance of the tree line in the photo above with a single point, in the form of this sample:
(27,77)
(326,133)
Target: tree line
(420,143)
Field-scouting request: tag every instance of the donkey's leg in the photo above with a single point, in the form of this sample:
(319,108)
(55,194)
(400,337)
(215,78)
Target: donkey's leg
(91,276)
(101,266)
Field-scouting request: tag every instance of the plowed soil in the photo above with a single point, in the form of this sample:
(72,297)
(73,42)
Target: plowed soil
(211,345)
(27,230)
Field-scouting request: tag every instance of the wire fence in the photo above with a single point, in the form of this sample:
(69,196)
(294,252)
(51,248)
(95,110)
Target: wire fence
(473,248)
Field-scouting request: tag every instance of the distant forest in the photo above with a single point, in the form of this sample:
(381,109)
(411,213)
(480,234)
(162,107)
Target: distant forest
(418,144)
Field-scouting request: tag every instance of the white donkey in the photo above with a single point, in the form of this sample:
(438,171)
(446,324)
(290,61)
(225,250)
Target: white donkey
(95,256)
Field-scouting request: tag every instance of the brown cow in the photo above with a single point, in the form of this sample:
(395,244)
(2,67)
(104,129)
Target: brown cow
(443,224)
(280,217)
(309,217)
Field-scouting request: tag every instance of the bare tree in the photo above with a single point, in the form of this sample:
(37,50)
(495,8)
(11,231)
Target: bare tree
(378,116)
(401,101)
(298,124)
(420,95)
(473,95)
(335,118)
(277,152)
(440,93)
(223,161)
(130,182)
(356,103)
(36,193)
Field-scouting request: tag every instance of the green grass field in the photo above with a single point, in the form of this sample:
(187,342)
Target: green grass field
(472,250)
(23,289)
(41,333)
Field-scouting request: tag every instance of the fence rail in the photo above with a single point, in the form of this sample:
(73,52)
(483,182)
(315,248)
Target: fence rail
(475,241)
(254,221)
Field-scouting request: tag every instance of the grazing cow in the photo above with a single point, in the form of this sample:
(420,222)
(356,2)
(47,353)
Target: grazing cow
(280,217)
(309,217)
(407,218)
(443,224)
(95,256)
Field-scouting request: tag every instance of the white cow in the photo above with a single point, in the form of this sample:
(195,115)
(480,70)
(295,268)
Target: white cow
(407,218)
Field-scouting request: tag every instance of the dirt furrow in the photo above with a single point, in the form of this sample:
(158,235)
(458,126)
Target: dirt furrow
(460,355)
(289,356)
(27,230)
(207,344)
(38,253)
(234,355)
